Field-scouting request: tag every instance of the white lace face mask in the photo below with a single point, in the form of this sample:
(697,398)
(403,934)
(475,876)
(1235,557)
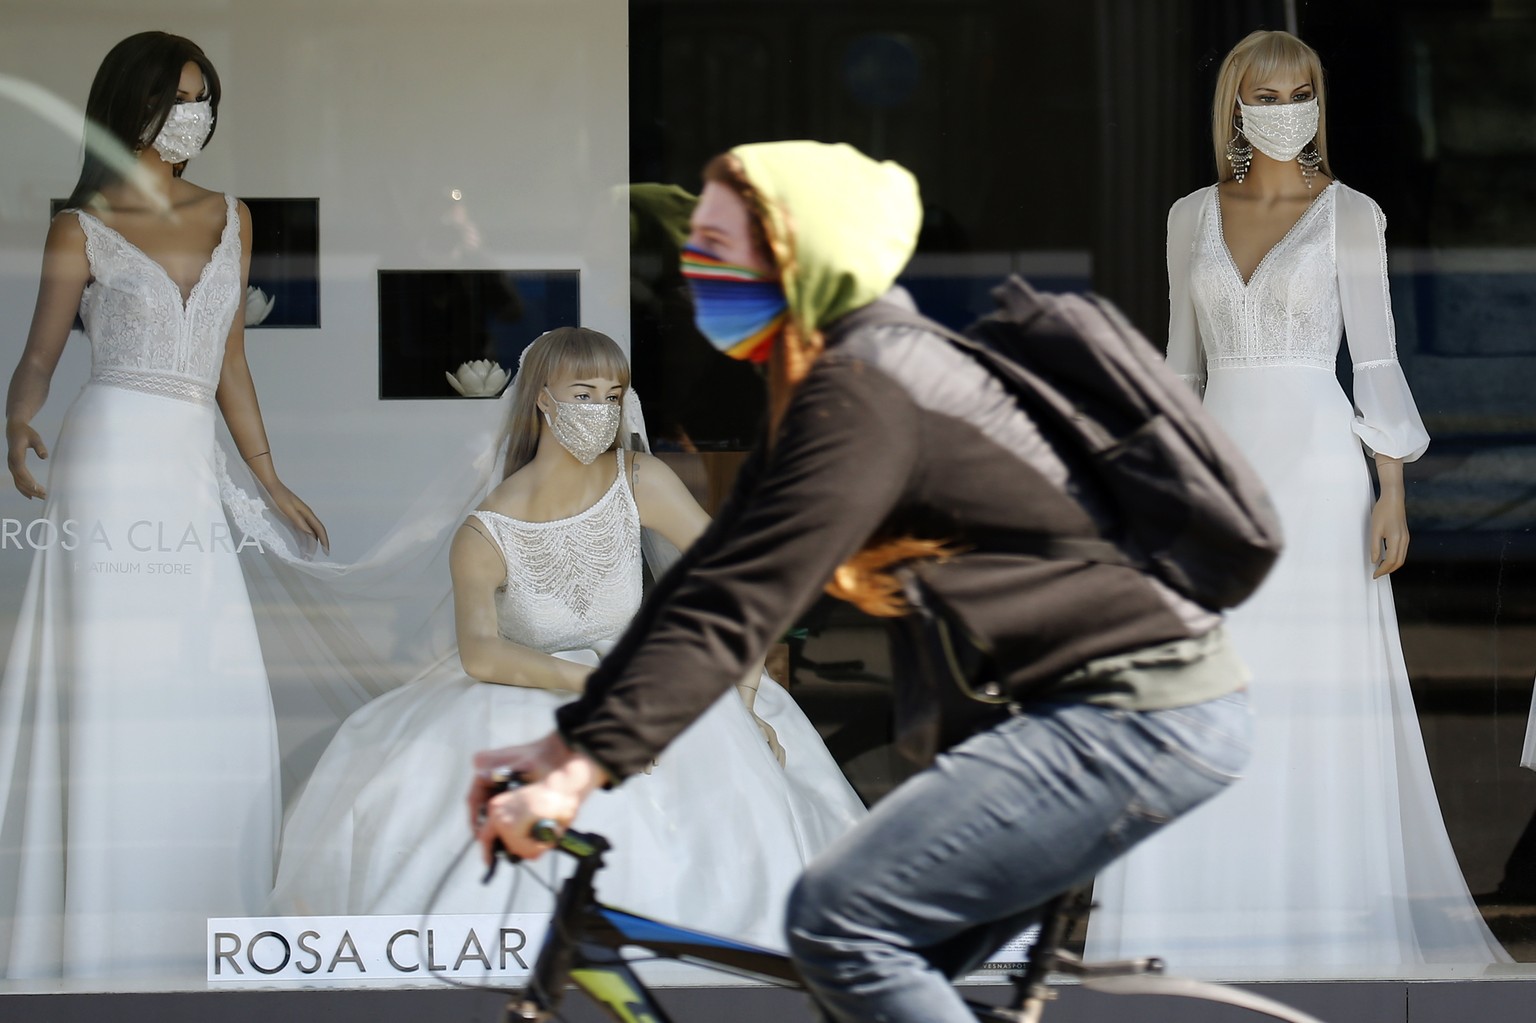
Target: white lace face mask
(1280,130)
(585,429)
(186,129)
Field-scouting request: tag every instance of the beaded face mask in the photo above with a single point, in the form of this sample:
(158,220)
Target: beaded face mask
(185,130)
(1280,130)
(585,429)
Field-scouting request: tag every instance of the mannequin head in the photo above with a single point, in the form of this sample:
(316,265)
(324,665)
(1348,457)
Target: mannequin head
(572,364)
(140,80)
(1266,67)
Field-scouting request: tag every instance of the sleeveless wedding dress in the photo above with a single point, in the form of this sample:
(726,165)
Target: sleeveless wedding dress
(138,754)
(1331,852)
(712,837)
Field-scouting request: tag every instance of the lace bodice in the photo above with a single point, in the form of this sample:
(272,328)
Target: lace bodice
(574,581)
(1325,278)
(1287,313)
(142,335)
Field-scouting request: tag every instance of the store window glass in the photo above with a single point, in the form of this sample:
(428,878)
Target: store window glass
(251,643)
(1384,828)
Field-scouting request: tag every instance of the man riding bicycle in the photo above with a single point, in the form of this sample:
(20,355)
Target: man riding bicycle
(898,471)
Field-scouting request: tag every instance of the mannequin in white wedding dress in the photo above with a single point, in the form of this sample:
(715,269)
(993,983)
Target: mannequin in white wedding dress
(138,755)
(1331,854)
(547,573)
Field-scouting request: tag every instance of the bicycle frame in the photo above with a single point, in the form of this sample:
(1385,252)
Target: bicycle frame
(586,937)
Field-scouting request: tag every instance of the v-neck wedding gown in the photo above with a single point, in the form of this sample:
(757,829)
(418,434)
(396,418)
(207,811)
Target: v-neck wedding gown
(138,755)
(1331,852)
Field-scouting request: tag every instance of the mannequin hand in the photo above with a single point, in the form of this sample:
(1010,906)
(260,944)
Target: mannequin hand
(774,746)
(1389,534)
(748,693)
(298,514)
(19,439)
(560,779)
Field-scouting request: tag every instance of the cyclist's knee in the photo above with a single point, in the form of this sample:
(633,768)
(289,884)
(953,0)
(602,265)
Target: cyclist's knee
(803,909)
(826,906)
(812,905)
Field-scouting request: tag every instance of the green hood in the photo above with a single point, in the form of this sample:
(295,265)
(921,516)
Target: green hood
(850,221)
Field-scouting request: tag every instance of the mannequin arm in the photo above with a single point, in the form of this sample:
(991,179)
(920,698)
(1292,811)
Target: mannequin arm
(478,571)
(242,413)
(1186,352)
(1389,519)
(66,271)
(746,689)
(665,504)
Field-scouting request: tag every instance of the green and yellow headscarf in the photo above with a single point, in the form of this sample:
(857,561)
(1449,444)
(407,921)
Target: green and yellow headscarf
(849,222)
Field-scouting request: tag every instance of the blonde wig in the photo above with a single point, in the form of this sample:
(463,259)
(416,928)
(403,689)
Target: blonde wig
(562,353)
(1258,57)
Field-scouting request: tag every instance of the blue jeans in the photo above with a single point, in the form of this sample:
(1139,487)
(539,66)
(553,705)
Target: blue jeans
(959,859)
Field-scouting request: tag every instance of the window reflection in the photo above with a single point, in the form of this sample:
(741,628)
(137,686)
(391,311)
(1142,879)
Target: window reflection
(434,178)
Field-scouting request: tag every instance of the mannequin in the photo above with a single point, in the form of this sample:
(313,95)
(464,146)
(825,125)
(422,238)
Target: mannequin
(1331,853)
(134,690)
(546,574)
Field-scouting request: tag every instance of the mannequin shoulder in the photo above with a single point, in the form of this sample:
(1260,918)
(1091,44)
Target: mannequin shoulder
(1184,214)
(66,259)
(1189,205)
(1353,207)
(653,478)
(1344,195)
(665,503)
(204,208)
(66,234)
(513,495)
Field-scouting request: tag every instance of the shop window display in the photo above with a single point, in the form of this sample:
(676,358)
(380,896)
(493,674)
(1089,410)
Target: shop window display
(437,188)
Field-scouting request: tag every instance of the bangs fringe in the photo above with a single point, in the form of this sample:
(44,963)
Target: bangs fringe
(581,352)
(1278,53)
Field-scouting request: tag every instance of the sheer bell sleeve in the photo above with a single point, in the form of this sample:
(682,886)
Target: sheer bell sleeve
(1186,351)
(1386,419)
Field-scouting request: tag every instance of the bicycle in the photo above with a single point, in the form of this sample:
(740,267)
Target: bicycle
(586,937)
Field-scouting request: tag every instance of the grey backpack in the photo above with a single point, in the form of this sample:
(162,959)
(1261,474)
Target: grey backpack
(1190,509)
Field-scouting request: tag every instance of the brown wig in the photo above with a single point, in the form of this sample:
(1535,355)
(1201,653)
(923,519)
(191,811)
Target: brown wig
(131,97)
(865,580)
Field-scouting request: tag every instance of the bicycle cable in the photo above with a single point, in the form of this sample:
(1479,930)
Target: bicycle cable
(455,864)
(520,870)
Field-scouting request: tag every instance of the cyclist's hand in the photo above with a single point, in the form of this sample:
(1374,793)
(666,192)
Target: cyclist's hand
(559,780)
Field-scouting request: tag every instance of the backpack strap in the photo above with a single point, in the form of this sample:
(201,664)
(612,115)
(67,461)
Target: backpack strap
(1024,385)
(884,313)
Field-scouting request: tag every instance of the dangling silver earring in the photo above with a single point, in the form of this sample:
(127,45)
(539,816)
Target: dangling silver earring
(1239,151)
(1310,159)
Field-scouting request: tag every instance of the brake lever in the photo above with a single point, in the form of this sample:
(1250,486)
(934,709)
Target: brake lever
(544,829)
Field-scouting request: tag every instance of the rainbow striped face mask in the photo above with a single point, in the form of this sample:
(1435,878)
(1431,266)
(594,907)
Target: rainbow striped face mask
(739,309)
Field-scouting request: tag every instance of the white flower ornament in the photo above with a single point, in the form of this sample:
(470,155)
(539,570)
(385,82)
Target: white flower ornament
(482,378)
(258,304)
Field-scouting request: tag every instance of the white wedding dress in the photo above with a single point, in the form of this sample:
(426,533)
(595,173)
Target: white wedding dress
(138,754)
(1331,853)
(711,838)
